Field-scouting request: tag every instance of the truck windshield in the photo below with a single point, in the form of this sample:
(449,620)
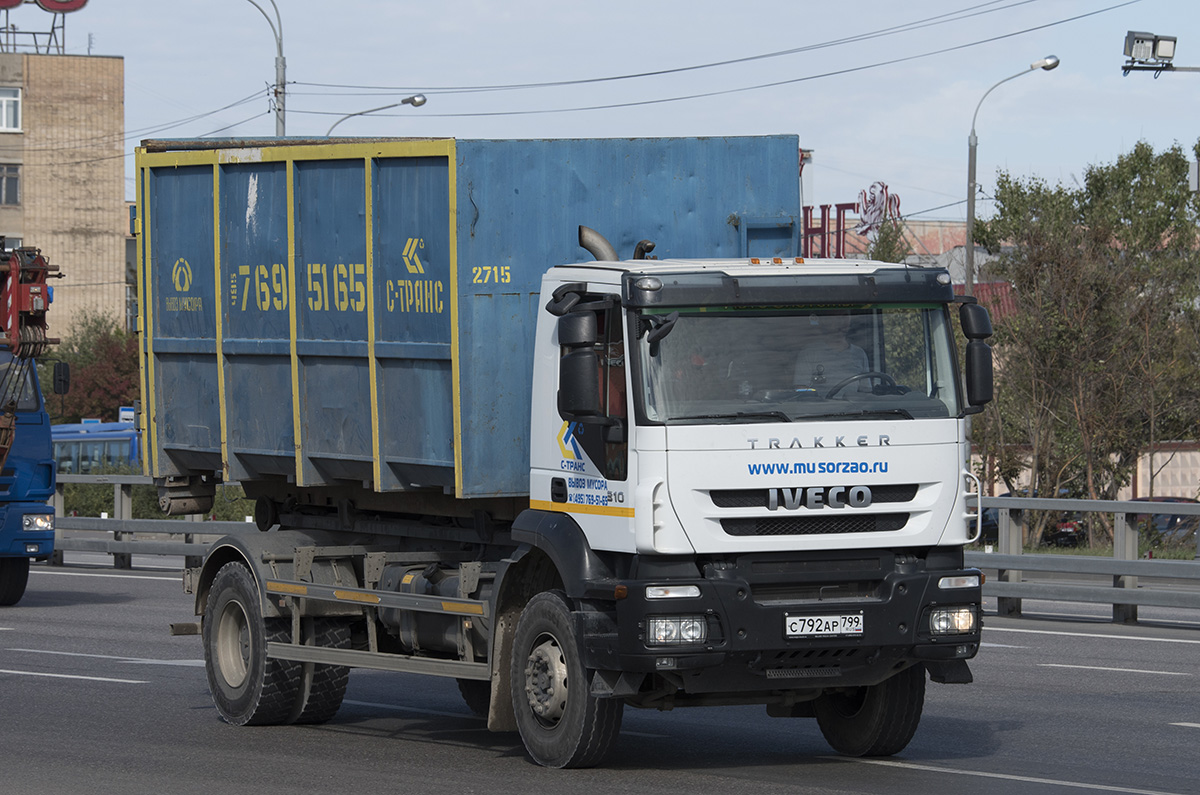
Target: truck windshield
(16,382)
(796,363)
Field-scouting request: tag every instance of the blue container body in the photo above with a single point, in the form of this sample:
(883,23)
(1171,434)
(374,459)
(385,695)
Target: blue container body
(364,312)
(27,480)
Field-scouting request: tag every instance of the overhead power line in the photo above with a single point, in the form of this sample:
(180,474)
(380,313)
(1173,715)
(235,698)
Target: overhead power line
(939,19)
(741,89)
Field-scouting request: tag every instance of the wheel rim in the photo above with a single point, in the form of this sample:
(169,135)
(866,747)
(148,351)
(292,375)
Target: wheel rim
(546,680)
(233,643)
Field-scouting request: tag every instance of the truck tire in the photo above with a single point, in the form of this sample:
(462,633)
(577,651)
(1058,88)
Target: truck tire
(322,687)
(14,574)
(476,694)
(879,720)
(561,723)
(248,688)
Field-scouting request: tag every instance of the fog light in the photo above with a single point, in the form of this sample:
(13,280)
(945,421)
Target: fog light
(31,549)
(676,630)
(37,522)
(952,621)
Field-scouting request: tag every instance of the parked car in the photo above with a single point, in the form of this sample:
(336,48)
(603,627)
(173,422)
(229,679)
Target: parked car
(1163,530)
(1069,531)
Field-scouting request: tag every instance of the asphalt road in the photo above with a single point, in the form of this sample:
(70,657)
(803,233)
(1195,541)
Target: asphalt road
(97,697)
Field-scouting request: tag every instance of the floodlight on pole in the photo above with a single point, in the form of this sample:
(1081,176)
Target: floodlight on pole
(280,66)
(1045,64)
(416,100)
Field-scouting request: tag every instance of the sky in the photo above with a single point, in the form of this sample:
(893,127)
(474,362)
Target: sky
(880,90)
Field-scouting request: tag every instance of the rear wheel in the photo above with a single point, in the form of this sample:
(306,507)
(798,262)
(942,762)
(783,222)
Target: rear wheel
(14,574)
(247,687)
(561,723)
(322,687)
(879,720)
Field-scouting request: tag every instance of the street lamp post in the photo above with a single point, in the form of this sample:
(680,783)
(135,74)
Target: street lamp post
(416,100)
(280,67)
(1047,63)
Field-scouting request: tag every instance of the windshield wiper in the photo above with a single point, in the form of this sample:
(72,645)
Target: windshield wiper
(747,416)
(864,413)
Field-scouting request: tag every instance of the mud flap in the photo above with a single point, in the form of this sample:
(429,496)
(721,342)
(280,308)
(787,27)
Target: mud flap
(949,672)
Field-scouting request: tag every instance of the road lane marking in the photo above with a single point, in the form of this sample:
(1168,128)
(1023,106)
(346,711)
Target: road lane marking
(71,676)
(103,574)
(1117,670)
(138,660)
(1002,776)
(1187,725)
(1001,646)
(1090,635)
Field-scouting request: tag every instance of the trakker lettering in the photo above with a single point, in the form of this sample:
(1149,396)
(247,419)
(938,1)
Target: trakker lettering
(817,497)
(822,442)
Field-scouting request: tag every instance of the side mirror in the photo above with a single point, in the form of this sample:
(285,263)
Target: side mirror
(579,367)
(578,330)
(579,385)
(976,322)
(979,374)
(62,378)
(977,327)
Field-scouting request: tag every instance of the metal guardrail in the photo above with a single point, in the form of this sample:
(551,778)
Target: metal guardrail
(1122,570)
(1125,593)
(128,536)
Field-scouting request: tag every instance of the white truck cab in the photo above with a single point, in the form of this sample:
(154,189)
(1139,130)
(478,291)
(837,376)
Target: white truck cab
(769,458)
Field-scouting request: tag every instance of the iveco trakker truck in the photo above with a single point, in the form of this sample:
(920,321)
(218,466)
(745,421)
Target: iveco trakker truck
(488,444)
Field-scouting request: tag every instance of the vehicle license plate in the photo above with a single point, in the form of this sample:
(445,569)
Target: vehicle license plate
(817,626)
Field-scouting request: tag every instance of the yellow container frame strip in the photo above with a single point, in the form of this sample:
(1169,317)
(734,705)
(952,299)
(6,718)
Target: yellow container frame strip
(420,603)
(366,152)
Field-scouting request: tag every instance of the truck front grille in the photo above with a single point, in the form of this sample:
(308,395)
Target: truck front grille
(814,525)
(758,498)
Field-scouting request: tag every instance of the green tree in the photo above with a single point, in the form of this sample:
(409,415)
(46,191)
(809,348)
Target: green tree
(889,243)
(1099,360)
(104,368)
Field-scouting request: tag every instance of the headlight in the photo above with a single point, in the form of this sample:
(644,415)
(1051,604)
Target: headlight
(676,630)
(37,522)
(952,621)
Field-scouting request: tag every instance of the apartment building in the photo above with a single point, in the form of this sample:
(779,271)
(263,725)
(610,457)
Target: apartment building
(62,175)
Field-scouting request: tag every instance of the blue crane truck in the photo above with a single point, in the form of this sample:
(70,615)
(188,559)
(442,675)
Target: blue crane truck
(492,437)
(27,483)
(27,472)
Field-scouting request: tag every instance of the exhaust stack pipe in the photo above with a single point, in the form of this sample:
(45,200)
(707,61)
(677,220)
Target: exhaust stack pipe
(596,245)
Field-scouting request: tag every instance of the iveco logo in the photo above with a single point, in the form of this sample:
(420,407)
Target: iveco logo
(816,498)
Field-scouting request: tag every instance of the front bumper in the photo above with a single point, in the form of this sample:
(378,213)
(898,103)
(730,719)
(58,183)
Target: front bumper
(747,605)
(15,541)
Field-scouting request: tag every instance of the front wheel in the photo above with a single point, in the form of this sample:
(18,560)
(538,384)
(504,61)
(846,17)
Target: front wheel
(879,720)
(247,687)
(14,575)
(561,723)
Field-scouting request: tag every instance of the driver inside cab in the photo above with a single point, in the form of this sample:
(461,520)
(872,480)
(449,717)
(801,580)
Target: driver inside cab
(828,357)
